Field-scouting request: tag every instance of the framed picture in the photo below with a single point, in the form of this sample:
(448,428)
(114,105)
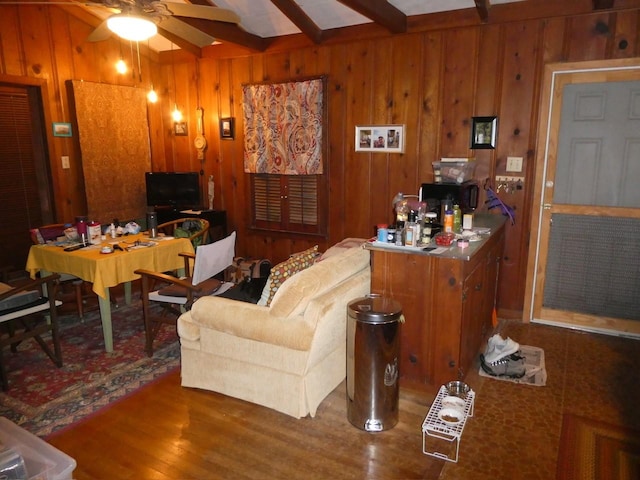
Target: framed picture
(484,131)
(62,130)
(180,129)
(380,138)
(227,128)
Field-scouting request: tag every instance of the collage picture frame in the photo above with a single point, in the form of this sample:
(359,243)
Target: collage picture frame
(380,138)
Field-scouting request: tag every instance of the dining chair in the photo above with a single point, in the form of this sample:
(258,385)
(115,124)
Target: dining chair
(195,229)
(25,313)
(52,232)
(180,293)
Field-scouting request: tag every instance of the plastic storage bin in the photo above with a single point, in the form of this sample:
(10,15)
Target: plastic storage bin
(42,461)
(373,348)
(453,172)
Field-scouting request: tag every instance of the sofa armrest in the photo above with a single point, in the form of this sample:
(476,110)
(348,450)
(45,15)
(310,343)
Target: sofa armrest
(329,314)
(245,320)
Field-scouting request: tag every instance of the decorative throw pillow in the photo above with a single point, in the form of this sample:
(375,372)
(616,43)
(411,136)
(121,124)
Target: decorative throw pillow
(294,264)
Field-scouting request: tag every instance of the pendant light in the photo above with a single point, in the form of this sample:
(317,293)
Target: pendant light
(152,96)
(176,114)
(121,66)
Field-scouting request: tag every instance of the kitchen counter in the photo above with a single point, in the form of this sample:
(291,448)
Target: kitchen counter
(448,298)
(483,227)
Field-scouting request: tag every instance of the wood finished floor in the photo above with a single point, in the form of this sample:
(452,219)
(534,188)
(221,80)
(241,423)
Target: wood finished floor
(165,431)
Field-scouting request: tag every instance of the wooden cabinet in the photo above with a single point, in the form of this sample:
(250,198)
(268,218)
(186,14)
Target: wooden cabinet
(447,301)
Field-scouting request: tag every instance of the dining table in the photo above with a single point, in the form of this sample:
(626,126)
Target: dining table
(110,263)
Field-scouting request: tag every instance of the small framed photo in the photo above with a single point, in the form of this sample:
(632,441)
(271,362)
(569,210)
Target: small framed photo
(62,130)
(484,131)
(380,138)
(227,128)
(180,129)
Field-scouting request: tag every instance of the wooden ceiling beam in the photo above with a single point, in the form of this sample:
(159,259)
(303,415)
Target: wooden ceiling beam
(300,19)
(602,4)
(381,12)
(482,6)
(181,42)
(228,32)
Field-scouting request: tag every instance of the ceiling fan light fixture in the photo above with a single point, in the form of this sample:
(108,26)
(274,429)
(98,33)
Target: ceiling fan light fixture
(132,27)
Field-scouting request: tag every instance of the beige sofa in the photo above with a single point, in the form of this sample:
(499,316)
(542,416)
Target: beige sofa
(288,356)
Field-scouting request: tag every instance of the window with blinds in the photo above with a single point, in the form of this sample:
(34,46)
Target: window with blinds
(287,203)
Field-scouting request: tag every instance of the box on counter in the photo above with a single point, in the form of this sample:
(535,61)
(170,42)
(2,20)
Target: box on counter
(26,455)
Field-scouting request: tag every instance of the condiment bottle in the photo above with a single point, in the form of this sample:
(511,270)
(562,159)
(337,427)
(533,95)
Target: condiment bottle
(448,221)
(427,227)
(457,219)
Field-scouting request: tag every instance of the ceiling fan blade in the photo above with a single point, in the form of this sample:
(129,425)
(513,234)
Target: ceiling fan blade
(183,30)
(99,34)
(202,11)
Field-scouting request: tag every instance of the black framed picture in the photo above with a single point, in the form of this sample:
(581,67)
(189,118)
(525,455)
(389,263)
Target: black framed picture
(484,131)
(180,129)
(227,128)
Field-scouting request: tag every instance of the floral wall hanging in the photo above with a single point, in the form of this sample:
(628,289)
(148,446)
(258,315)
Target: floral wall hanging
(283,127)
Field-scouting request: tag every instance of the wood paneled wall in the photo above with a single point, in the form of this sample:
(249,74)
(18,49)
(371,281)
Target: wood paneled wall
(433,80)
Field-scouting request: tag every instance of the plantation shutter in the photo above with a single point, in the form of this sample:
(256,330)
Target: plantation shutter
(286,202)
(24,183)
(303,200)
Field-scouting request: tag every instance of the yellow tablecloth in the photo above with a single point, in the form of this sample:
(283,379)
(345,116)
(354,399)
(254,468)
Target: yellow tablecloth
(109,270)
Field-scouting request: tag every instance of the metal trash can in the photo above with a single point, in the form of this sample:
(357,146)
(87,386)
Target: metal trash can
(373,349)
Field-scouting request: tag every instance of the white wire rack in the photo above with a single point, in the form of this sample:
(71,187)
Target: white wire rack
(434,428)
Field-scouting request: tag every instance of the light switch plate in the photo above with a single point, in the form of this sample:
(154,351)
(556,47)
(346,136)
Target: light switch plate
(514,164)
(65,161)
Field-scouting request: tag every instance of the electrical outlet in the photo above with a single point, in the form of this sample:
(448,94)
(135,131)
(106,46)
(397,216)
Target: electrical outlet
(514,164)
(65,161)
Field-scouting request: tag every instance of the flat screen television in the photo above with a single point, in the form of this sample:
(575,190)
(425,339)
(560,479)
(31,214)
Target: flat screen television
(173,189)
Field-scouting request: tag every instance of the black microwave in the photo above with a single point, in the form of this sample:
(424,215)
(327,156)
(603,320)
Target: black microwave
(463,194)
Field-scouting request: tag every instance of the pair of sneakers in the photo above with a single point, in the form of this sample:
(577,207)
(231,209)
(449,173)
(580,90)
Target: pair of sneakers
(502,358)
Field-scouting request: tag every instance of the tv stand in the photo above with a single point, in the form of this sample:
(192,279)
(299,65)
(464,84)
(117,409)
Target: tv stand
(217,218)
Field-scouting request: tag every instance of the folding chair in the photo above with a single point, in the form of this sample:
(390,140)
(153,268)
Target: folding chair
(21,309)
(209,261)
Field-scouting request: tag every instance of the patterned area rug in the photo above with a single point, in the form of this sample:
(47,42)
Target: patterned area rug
(42,398)
(594,450)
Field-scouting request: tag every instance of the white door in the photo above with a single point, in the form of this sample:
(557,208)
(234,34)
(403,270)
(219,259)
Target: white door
(584,263)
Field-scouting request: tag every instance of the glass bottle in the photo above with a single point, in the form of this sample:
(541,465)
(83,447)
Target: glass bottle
(410,230)
(457,219)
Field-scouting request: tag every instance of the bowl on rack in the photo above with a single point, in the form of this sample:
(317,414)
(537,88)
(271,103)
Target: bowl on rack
(458,388)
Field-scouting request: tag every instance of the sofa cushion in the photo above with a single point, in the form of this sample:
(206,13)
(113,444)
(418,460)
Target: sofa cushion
(17,301)
(284,270)
(295,294)
(341,246)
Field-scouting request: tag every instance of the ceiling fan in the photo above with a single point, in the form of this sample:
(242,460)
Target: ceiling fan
(138,20)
